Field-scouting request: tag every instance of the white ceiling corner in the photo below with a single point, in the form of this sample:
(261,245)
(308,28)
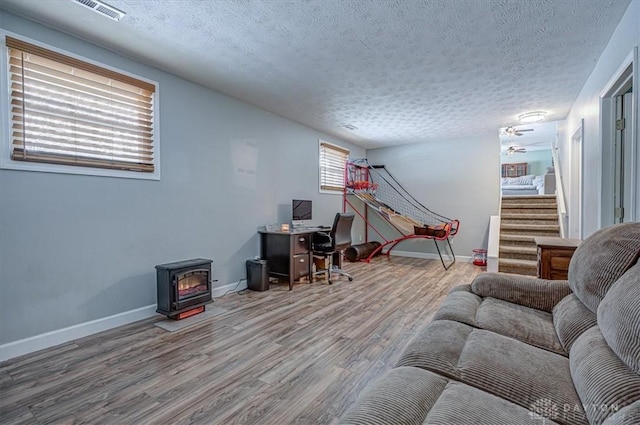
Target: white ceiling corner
(400,71)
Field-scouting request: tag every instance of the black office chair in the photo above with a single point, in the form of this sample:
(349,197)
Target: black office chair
(337,240)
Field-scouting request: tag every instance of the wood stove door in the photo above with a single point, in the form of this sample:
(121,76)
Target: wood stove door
(191,288)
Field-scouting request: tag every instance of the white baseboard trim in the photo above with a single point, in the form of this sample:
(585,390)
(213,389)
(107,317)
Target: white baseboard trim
(430,256)
(21,347)
(227,289)
(60,336)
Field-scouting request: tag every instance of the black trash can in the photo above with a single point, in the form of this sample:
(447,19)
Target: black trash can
(257,275)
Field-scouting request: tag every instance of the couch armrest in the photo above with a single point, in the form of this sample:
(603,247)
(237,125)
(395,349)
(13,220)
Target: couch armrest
(461,288)
(540,294)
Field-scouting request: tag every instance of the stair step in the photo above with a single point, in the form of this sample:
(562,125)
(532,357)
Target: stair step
(518,263)
(529,198)
(534,197)
(522,218)
(526,222)
(518,249)
(517,238)
(527,243)
(529,206)
(524,267)
(512,204)
(530,216)
(519,252)
(534,229)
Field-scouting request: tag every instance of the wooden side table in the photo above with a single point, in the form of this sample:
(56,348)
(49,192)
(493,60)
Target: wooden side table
(554,255)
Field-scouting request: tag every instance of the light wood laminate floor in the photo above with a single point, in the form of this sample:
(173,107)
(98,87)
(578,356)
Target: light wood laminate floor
(275,357)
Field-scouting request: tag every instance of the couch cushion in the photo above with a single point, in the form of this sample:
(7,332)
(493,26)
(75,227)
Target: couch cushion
(402,396)
(619,318)
(505,367)
(528,291)
(526,324)
(630,415)
(601,259)
(462,288)
(460,306)
(462,404)
(532,326)
(570,319)
(605,384)
(438,348)
(517,372)
(413,396)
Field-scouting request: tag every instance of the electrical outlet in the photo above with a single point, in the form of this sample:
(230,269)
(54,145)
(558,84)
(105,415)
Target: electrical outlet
(359,238)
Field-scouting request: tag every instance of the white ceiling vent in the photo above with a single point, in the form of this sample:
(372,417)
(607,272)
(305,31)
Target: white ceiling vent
(102,8)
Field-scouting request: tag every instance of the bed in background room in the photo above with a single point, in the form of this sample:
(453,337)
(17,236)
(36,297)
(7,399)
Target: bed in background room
(528,185)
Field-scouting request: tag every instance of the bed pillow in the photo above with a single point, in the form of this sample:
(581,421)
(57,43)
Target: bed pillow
(518,181)
(538,181)
(528,179)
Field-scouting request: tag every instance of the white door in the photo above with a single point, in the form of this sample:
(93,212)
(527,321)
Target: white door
(622,172)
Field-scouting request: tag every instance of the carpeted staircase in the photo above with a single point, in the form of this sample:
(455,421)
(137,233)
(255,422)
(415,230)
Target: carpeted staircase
(521,219)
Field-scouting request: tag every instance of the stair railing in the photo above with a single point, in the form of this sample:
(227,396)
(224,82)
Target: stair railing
(563,218)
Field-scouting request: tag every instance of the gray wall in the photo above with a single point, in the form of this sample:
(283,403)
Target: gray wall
(456,178)
(79,248)
(624,39)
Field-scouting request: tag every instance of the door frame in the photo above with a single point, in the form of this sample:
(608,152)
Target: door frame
(627,75)
(577,142)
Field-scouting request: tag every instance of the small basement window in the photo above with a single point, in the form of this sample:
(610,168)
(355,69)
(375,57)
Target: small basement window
(71,116)
(333,160)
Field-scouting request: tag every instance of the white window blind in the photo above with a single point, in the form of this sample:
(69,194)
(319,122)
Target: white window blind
(332,166)
(70,112)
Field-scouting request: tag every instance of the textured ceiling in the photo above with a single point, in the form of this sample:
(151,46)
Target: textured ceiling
(400,71)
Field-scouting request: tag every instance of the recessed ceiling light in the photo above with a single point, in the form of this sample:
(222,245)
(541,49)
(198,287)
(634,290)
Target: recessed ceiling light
(102,8)
(534,116)
(350,127)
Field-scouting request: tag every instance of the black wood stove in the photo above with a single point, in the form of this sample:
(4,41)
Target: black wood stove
(184,287)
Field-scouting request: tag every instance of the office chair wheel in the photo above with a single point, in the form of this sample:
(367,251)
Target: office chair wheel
(330,283)
(350,279)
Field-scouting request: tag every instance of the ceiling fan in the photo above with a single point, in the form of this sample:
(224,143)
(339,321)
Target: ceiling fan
(512,131)
(514,149)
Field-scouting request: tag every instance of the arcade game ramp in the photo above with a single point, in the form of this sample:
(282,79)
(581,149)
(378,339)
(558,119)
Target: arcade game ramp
(376,187)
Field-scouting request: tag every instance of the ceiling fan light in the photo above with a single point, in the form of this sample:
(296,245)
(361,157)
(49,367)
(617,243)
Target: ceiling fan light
(533,116)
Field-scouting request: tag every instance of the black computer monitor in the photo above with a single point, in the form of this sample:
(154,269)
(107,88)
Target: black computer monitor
(301,211)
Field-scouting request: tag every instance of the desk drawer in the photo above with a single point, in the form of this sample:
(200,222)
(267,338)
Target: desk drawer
(300,244)
(300,265)
(560,263)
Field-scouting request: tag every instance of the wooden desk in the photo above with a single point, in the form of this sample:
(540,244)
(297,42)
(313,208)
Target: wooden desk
(554,255)
(288,253)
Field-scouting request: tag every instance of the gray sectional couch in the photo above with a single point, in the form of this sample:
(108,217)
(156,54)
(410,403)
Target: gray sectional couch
(511,349)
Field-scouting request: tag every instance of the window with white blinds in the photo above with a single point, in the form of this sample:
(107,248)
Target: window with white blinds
(69,112)
(332,165)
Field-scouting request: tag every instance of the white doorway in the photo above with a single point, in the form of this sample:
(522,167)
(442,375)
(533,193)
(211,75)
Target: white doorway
(620,196)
